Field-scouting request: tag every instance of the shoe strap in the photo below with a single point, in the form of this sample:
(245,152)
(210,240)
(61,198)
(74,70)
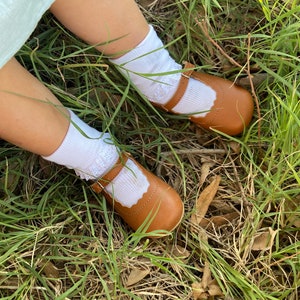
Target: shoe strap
(102,182)
(184,80)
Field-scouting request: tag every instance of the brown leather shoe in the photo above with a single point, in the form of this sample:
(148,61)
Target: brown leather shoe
(160,208)
(232,110)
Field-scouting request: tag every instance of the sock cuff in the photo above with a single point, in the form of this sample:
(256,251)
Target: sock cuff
(86,150)
(151,69)
(77,131)
(83,127)
(150,43)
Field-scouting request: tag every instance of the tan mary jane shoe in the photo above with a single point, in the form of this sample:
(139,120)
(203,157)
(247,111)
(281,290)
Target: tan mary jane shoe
(232,110)
(160,208)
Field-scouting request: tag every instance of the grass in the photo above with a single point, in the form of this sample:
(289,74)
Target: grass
(58,240)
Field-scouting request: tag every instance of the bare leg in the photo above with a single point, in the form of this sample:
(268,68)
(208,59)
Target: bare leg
(98,22)
(30,115)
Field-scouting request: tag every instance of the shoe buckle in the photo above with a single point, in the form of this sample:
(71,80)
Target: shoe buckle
(188,75)
(97,187)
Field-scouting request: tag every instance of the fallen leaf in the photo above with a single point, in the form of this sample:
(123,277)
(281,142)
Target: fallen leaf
(198,292)
(180,252)
(205,169)
(256,79)
(208,287)
(235,147)
(291,212)
(264,240)
(145,3)
(218,221)
(49,269)
(179,27)
(295,221)
(206,278)
(136,275)
(204,200)
(202,235)
(214,289)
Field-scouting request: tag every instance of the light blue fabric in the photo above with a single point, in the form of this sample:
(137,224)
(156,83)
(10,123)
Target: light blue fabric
(18,19)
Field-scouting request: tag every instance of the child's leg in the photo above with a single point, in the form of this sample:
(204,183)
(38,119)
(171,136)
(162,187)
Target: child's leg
(34,119)
(210,101)
(99,22)
(30,115)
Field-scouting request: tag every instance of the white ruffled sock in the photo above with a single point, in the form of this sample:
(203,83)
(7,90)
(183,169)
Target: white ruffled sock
(146,66)
(92,154)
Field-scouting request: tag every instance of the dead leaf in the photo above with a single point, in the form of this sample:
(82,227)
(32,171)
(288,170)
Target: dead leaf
(218,221)
(295,221)
(222,206)
(214,289)
(202,235)
(204,200)
(206,278)
(49,269)
(180,252)
(205,169)
(179,28)
(235,147)
(256,79)
(264,240)
(198,292)
(208,287)
(136,275)
(291,213)
(145,3)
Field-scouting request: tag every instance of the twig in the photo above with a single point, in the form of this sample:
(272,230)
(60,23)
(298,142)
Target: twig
(217,45)
(196,151)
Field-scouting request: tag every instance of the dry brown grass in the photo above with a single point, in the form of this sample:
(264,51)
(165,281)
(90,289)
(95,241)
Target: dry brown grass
(60,241)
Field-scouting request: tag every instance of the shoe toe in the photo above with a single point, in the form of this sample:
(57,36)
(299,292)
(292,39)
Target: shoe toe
(160,208)
(233,107)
